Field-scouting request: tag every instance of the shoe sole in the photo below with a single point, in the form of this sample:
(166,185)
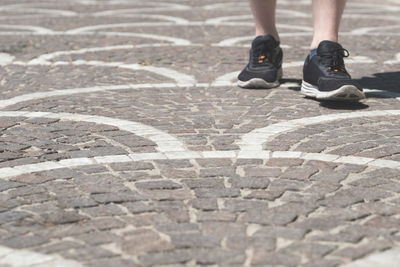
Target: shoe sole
(258,83)
(344,93)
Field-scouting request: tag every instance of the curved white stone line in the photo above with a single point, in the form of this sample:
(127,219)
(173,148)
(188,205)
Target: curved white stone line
(181,41)
(63,92)
(218,21)
(241,5)
(43,59)
(364,30)
(374,7)
(395,61)
(10,172)
(108,2)
(29,16)
(368,17)
(158,6)
(178,22)
(26,8)
(233,41)
(231,19)
(54,12)
(174,40)
(6,59)
(175,20)
(254,140)
(164,141)
(227,18)
(226,79)
(24,258)
(154,6)
(359,60)
(388,258)
(36,29)
(168,73)
(373,34)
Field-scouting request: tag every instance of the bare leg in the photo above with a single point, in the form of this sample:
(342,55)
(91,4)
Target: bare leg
(326,19)
(264,17)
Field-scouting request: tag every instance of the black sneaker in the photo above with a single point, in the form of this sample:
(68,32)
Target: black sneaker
(265,65)
(325,76)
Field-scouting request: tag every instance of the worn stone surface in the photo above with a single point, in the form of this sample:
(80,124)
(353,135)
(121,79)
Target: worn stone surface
(142,159)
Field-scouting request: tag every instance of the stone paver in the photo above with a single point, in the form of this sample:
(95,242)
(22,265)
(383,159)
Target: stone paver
(124,140)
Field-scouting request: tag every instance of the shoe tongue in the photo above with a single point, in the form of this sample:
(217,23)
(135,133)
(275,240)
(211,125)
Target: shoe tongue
(264,40)
(328,47)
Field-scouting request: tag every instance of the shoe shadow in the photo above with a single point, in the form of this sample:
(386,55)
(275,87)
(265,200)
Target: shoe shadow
(384,85)
(388,82)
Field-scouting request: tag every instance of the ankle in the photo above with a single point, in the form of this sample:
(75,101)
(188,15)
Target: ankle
(273,33)
(318,39)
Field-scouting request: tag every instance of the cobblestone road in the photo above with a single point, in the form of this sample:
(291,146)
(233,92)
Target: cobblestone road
(125,142)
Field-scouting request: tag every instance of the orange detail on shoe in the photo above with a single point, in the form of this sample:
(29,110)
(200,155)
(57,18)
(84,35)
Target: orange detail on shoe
(262,57)
(260,61)
(335,70)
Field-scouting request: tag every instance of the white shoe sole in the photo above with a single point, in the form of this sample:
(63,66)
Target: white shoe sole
(258,83)
(344,93)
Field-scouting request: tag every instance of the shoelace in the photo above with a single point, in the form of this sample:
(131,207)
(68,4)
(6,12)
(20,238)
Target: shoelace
(262,57)
(334,60)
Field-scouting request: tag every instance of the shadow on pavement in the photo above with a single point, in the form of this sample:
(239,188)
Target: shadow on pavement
(343,105)
(387,81)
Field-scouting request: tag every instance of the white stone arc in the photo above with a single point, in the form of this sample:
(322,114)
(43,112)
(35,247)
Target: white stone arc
(7,173)
(233,19)
(27,8)
(25,258)
(62,92)
(43,31)
(178,77)
(6,59)
(158,6)
(241,6)
(35,29)
(254,140)
(164,141)
(175,20)
(396,60)
(388,258)
(49,56)
(174,40)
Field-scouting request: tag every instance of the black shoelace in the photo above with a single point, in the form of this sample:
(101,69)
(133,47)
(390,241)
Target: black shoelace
(334,60)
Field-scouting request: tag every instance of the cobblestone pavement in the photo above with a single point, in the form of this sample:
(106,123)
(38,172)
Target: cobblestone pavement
(125,142)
